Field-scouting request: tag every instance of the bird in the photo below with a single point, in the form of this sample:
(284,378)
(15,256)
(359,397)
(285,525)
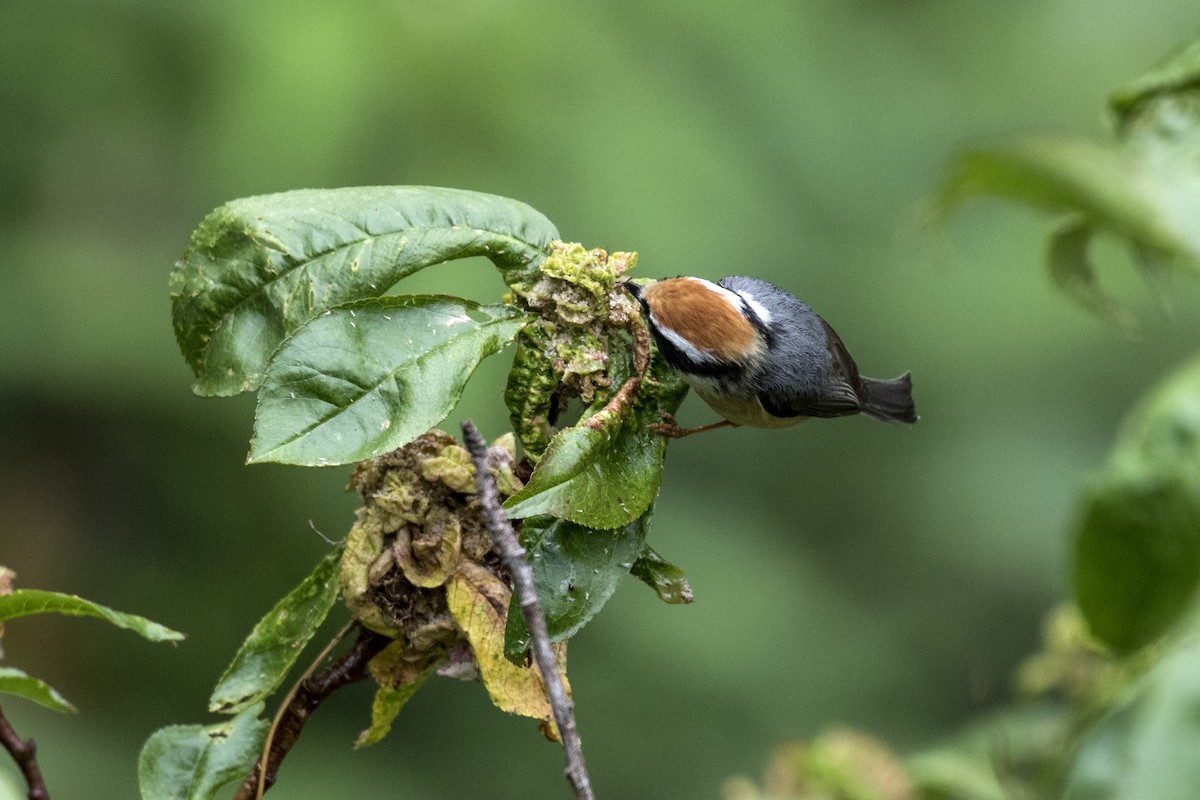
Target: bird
(759,356)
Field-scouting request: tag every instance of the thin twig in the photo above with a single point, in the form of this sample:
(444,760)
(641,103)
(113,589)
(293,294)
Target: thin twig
(25,754)
(308,693)
(514,558)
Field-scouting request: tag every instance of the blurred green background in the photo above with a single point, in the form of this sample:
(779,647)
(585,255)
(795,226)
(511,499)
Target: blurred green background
(846,572)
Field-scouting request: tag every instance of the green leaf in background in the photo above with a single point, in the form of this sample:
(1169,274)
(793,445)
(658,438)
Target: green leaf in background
(277,640)
(667,580)
(1150,201)
(1144,186)
(575,571)
(370,376)
(597,478)
(15,682)
(1137,553)
(23,602)
(192,762)
(1072,272)
(1177,73)
(1137,558)
(1145,747)
(260,267)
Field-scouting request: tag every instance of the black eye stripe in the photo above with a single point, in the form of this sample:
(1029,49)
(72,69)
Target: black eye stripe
(682,361)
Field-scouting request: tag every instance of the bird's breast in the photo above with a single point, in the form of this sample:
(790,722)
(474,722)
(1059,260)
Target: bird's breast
(737,407)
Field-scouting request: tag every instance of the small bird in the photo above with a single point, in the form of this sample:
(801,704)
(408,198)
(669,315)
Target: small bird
(760,357)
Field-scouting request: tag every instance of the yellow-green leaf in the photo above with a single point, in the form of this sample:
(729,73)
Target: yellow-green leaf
(478,601)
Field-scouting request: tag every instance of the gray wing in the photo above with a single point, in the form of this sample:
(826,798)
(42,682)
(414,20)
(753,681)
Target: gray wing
(810,373)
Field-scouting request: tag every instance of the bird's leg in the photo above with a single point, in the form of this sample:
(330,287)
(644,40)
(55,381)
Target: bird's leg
(669,427)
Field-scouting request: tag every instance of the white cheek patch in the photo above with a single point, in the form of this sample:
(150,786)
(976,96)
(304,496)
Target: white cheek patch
(687,348)
(734,300)
(764,316)
(738,300)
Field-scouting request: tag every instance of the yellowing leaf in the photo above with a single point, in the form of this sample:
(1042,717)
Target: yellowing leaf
(478,601)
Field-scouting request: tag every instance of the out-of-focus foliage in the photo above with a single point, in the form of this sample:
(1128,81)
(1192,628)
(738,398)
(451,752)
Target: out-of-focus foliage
(1137,552)
(1145,187)
(840,764)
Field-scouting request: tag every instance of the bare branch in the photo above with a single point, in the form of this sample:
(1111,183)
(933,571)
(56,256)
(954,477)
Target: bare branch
(309,693)
(25,754)
(514,558)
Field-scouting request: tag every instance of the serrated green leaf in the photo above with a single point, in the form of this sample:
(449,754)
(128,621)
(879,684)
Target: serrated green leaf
(23,602)
(667,580)
(371,376)
(192,762)
(1145,747)
(1137,553)
(277,640)
(258,268)
(575,571)
(387,704)
(15,682)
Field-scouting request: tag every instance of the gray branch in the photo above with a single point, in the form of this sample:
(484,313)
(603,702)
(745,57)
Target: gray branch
(514,558)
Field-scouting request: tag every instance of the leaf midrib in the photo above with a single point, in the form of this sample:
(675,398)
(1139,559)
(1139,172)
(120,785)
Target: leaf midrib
(389,375)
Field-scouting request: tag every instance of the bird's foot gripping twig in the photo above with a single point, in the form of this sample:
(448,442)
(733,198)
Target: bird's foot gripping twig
(670,427)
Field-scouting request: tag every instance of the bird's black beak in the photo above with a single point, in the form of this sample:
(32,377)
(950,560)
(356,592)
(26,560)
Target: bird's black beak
(633,289)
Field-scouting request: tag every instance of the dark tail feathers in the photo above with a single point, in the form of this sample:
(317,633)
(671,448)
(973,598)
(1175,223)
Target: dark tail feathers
(890,401)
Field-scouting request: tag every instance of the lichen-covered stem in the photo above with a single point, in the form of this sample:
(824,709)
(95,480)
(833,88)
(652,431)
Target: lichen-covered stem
(514,558)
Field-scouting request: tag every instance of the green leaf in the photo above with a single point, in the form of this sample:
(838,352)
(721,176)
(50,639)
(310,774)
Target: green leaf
(575,571)
(1137,553)
(36,601)
(1151,199)
(1073,273)
(371,376)
(277,640)
(600,478)
(259,268)
(1137,558)
(192,762)
(387,704)
(1145,747)
(15,682)
(1178,72)
(667,580)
